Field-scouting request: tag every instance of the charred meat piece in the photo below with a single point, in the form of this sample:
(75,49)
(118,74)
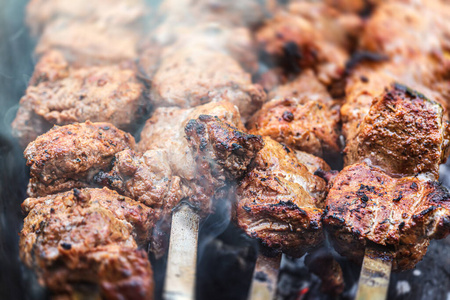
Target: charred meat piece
(190,76)
(222,153)
(89,43)
(201,169)
(404,134)
(70,156)
(370,80)
(301,118)
(165,131)
(365,206)
(67,95)
(109,12)
(292,41)
(88,238)
(280,202)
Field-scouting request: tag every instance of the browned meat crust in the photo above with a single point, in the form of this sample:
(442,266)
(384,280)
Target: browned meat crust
(370,80)
(69,156)
(279,202)
(366,205)
(110,12)
(67,95)
(87,238)
(403,134)
(302,116)
(221,152)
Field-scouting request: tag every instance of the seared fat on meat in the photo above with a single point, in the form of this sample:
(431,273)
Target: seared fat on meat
(88,239)
(302,118)
(279,202)
(404,134)
(69,156)
(59,94)
(365,205)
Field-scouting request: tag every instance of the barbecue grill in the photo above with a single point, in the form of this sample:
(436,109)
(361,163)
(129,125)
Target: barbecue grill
(226,256)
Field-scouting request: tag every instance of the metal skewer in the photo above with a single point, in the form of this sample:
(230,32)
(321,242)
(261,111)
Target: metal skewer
(182,258)
(265,278)
(375,274)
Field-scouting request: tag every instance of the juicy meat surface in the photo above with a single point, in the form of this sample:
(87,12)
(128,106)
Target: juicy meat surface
(280,202)
(109,12)
(365,205)
(189,76)
(62,95)
(69,156)
(299,117)
(403,133)
(89,43)
(88,238)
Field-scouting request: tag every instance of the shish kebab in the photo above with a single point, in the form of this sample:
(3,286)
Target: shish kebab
(49,39)
(433,78)
(300,113)
(76,158)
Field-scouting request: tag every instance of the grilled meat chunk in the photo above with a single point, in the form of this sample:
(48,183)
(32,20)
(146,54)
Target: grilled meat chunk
(365,205)
(190,76)
(404,134)
(405,28)
(69,156)
(370,80)
(165,130)
(88,238)
(221,152)
(63,95)
(108,12)
(280,202)
(89,43)
(308,35)
(301,119)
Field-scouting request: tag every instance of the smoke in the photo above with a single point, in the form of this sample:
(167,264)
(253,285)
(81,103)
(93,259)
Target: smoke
(16,65)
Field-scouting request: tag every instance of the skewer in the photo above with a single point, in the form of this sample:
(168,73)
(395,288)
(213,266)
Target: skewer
(182,258)
(375,273)
(265,278)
